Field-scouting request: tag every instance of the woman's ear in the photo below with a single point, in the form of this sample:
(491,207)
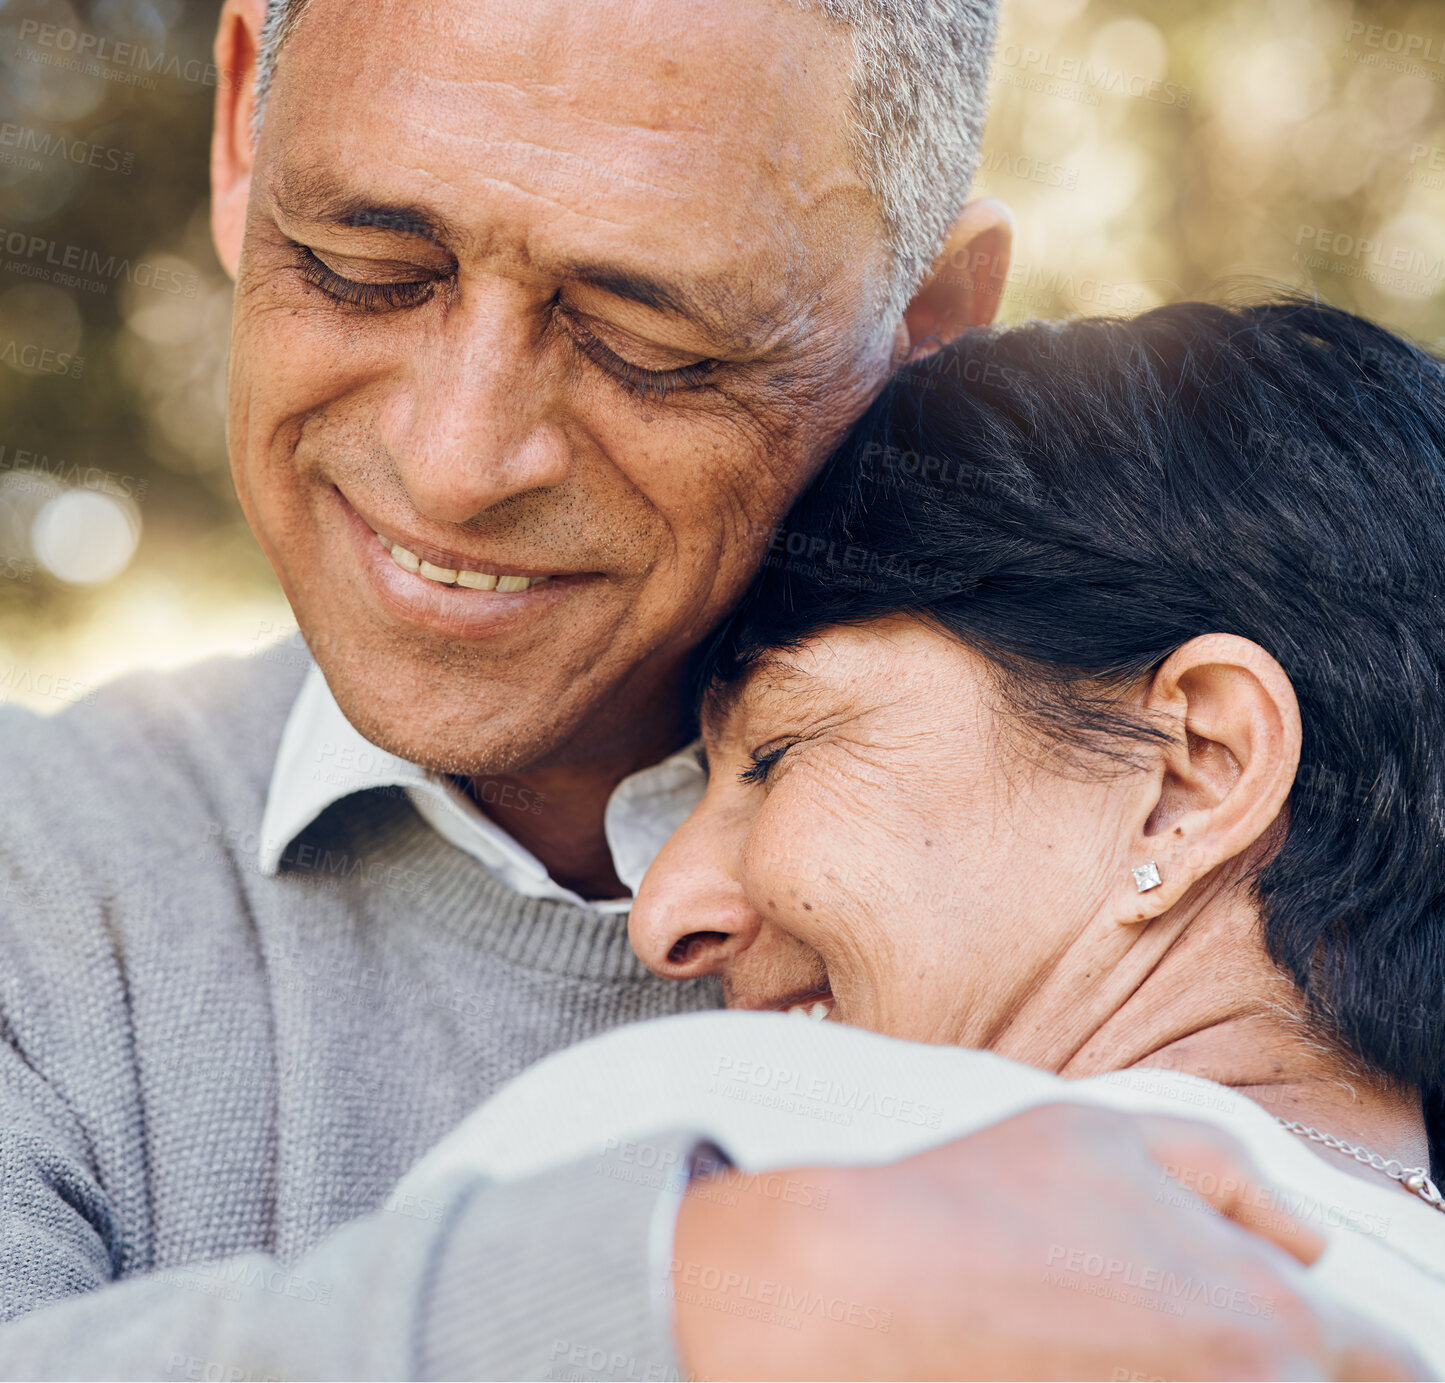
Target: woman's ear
(238,42)
(1223,781)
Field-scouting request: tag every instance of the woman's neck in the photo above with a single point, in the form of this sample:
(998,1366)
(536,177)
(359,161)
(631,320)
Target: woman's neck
(1198,994)
(1306,1082)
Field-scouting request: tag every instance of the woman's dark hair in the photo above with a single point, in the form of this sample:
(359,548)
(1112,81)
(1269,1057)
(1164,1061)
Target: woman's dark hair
(1074,501)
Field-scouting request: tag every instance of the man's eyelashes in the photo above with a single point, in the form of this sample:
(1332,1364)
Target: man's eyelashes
(369,297)
(644,383)
(638,380)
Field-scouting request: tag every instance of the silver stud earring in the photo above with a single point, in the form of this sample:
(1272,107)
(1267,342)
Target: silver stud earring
(1146,876)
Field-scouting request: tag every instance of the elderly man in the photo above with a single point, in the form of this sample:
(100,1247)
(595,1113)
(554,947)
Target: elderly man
(544,312)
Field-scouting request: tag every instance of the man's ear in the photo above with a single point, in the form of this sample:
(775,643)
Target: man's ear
(238,42)
(965,286)
(1224,780)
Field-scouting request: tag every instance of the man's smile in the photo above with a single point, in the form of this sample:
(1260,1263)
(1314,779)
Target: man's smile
(447,568)
(408,560)
(467,596)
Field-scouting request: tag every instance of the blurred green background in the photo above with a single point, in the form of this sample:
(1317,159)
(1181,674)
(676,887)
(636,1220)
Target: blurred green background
(1150,151)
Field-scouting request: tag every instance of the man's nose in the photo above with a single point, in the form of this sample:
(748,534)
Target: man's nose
(477,419)
(691,916)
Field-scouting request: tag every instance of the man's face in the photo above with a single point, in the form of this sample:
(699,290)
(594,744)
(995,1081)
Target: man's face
(533,288)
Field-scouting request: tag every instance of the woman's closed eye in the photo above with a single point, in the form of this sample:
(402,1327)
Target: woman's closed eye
(761,761)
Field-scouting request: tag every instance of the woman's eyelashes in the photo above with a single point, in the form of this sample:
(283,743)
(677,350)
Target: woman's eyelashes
(393,296)
(760,763)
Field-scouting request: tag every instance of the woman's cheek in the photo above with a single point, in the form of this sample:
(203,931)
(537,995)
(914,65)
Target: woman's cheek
(783,844)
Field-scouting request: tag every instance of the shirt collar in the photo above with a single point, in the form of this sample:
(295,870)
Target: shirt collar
(323,758)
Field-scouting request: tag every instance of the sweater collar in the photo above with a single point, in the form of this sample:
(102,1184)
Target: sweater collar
(322,759)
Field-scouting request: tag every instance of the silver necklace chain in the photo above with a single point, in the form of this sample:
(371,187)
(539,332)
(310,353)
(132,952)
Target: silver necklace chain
(1416,1179)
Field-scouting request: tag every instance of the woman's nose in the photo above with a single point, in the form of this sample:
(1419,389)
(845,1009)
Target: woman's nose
(691,916)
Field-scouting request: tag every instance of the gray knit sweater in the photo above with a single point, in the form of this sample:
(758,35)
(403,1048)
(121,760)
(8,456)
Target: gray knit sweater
(204,1065)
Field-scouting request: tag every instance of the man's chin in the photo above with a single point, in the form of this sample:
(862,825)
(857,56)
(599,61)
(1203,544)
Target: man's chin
(459,729)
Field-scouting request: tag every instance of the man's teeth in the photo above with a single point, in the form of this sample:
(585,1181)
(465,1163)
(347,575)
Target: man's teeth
(818,1010)
(448,576)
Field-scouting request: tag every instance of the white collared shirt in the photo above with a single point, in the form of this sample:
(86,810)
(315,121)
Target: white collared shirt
(323,758)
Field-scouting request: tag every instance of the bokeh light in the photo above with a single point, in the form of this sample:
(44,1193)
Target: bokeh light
(84,538)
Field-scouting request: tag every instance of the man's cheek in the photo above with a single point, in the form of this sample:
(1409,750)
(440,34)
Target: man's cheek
(751,445)
(274,383)
(715,526)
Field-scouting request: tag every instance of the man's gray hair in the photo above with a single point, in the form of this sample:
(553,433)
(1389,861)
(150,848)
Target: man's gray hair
(920,84)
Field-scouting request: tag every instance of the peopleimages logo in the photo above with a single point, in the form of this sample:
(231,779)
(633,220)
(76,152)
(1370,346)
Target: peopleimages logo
(819,551)
(36,252)
(1094,78)
(98,56)
(23,681)
(766,1292)
(1027,169)
(43,144)
(1399,42)
(1170,1291)
(33,358)
(25,462)
(782,1082)
(1357,248)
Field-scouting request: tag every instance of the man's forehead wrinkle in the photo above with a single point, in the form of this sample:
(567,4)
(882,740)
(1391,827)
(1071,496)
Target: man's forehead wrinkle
(533,195)
(549,157)
(651,146)
(586,179)
(748,282)
(583,72)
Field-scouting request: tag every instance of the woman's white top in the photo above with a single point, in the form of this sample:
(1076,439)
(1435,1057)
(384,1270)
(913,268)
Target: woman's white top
(775,1091)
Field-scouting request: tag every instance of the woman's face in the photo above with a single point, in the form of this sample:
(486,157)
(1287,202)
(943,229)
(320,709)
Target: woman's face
(880,844)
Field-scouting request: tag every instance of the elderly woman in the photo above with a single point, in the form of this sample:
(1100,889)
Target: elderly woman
(1089,716)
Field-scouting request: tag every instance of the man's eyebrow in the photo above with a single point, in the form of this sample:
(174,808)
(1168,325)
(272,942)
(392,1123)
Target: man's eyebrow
(317,198)
(635,287)
(709,308)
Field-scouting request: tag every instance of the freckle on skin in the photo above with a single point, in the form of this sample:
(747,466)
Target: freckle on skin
(772,904)
(807,907)
(1179,830)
